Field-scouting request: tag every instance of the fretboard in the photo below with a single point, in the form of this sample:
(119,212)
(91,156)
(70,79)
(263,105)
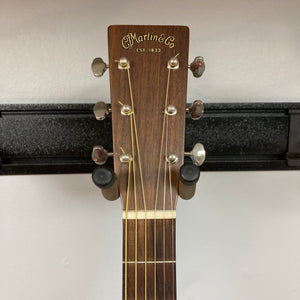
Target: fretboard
(150,274)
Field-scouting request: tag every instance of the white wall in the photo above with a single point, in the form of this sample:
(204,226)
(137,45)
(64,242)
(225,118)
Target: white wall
(251,47)
(238,239)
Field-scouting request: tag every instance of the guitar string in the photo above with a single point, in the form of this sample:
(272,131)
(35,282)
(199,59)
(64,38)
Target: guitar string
(126,232)
(144,197)
(141,178)
(172,224)
(173,231)
(164,205)
(135,208)
(157,182)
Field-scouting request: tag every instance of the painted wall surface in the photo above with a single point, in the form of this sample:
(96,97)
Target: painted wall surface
(238,239)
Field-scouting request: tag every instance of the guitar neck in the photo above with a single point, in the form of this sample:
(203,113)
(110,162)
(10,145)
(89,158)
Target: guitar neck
(149,257)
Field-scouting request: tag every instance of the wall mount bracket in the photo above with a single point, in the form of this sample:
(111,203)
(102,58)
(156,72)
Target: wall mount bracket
(58,138)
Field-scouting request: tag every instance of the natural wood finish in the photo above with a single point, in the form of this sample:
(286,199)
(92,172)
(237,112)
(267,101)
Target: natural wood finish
(149,75)
(166,252)
(149,78)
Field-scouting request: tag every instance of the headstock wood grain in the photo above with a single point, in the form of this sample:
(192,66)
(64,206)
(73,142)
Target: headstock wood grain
(148,82)
(148,87)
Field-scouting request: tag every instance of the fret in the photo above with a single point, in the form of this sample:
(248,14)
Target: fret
(150,262)
(170,235)
(165,290)
(165,263)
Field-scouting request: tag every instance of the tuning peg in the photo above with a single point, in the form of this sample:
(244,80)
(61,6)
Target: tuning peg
(197,66)
(100,155)
(99,67)
(101,110)
(196,110)
(197,154)
(105,179)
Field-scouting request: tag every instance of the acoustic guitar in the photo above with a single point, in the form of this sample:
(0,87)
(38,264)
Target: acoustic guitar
(148,68)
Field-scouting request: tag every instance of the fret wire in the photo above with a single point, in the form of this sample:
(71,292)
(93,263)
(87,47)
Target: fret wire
(152,262)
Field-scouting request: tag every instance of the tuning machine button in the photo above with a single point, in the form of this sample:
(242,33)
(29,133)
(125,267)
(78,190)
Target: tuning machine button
(196,109)
(99,67)
(100,155)
(197,154)
(197,66)
(104,177)
(101,110)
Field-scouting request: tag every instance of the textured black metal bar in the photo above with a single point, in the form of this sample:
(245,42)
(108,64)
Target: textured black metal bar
(58,138)
(293,155)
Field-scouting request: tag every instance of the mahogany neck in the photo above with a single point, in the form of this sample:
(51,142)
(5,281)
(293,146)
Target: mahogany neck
(151,272)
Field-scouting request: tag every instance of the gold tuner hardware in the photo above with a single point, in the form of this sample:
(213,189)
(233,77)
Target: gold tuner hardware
(99,67)
(196,109)
(171,110)
(197,154)
(197,66)
(101,110)
(126,110)
(125,158)
(173,63)
(172,158)
(123,63)
(100,155)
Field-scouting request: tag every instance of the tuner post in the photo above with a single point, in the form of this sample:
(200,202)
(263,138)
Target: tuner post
(173,63)
(125,158)
(126,110)
(171,110)
(172,158)
(123,63)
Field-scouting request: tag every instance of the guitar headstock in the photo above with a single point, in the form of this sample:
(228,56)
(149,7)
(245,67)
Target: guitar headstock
(148,68)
